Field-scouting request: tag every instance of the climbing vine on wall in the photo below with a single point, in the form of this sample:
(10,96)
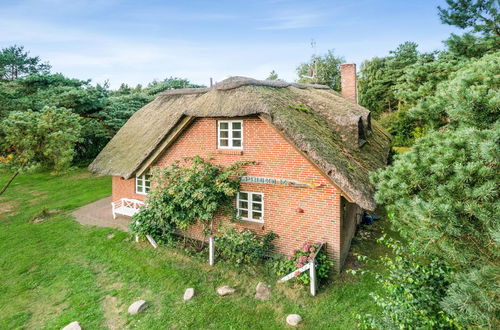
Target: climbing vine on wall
(187,192)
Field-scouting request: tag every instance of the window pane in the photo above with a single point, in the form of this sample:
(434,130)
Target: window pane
(256,207)
(237,134)
(243,205)
(256,215)
(224,142)
(147,184)
(147,189)
(236,143)
(236,125)
(257,197)
(224,134)
(139,189)
(224,125)
(243,196)
(243,213)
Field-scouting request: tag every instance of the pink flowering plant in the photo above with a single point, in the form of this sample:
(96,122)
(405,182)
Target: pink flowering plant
(300,257)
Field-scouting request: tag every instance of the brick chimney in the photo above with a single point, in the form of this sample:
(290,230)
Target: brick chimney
(348,82)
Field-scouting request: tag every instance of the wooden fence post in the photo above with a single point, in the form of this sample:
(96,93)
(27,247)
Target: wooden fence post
(211,250)
(312,277)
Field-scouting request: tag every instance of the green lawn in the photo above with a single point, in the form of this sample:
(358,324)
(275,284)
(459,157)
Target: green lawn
(56,271)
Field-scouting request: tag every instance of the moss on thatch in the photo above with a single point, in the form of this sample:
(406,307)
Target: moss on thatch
(319,122)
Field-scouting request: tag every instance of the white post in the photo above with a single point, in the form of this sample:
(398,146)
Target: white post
(211,250)
(136,238)
(312,277)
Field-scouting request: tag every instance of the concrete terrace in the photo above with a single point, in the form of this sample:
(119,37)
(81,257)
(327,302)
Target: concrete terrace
(99,214)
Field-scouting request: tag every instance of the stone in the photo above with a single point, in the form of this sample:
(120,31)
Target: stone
(137,307)
(262,291)
(188,294)
(293,319)
(225,290)
(110,236)
(73,326)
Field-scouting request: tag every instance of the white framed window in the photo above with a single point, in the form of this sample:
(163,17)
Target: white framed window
(143,184)
(250,206)
(230,134)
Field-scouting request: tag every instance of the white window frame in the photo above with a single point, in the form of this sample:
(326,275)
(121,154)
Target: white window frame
(250,202)
(143,185)
(229,134)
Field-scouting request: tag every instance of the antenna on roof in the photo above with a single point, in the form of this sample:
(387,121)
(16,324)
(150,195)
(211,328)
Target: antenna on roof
(313,67)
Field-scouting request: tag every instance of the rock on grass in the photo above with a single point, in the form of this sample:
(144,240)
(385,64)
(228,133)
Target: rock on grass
(225,290)
(73,326)
(293,319)
(188,294)
(137,307)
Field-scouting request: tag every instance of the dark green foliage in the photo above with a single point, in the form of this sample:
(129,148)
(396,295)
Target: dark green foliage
(469,45)
(272,76)
(470,97)
(379,76)
(119,108)
(43,139)
(412,291)
(479,15)
(184,194)
(15,62)
(157,87)
(373,86)
(283,266)
(326,70)
(443,197)
(27,84)
(473,298)
(146,223)
(421,78)
(443,194)
(403,128)
(243,247)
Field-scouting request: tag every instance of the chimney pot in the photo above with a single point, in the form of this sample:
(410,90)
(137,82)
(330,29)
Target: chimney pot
(348,82)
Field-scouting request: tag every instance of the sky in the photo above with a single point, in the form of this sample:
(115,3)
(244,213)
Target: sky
(135,42)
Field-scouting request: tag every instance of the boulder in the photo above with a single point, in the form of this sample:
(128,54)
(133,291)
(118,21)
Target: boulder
(293,319)
(225,290)
(188,294)
(137,307)
(262,291)
(73,326)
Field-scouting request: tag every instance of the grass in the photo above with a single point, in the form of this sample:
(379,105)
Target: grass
(54,271)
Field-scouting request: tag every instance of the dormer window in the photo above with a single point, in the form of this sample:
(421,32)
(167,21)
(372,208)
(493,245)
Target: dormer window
(361,134)
(230,134)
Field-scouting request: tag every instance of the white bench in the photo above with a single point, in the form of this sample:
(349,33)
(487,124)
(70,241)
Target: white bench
(126,206)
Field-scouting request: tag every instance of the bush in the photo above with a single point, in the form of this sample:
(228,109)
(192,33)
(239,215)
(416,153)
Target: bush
(41,139)
(299,258)
(411,292)
(182,196)
(145,223)
(244,247)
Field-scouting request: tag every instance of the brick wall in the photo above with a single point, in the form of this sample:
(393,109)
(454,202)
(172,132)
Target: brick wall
(351,216)
(348,82)
(276,158)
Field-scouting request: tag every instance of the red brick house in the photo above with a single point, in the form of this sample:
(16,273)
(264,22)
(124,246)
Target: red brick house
(314,150)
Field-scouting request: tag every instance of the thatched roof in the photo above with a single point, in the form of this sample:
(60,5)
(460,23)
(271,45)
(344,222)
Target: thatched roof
(320,123)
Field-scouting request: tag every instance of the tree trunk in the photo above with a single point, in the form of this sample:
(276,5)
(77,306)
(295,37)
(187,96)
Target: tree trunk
(9,182)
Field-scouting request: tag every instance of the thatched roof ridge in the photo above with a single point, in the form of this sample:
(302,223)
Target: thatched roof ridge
(318,121)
